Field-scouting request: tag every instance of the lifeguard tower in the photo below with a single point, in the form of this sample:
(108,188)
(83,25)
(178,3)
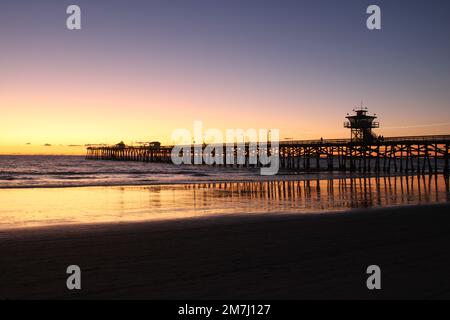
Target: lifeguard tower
(361,125)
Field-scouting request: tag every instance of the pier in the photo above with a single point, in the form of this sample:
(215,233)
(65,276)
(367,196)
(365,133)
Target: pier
(394,154)
(363,152)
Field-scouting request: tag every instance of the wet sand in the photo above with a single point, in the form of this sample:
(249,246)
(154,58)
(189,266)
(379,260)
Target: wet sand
(252,257)
(36,207)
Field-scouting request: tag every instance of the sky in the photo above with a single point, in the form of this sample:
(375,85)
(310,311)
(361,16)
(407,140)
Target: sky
(138,70)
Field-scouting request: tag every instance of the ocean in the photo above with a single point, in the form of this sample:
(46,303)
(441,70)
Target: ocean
(40,191)
(74,171)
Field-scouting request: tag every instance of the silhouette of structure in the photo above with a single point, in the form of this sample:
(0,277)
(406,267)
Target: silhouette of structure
(363,152)
(361,125)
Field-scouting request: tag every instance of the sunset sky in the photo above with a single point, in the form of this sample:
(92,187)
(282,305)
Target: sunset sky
(140,69)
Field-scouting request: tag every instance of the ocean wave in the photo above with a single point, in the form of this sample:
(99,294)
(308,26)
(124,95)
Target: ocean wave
(8,178)
(109,172)
(79,177)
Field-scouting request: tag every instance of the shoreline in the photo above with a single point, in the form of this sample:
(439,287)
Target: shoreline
(311,256)
(204,221)
(34,207)
(299,176)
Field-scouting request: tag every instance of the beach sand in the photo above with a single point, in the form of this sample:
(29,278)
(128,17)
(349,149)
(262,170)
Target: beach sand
(313,256)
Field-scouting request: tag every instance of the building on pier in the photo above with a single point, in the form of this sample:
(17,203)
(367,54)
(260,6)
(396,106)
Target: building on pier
(361,125)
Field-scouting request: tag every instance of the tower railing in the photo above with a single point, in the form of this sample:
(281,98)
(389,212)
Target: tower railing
(373,125)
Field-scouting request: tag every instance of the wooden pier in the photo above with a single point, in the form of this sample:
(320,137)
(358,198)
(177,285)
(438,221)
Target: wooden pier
(421,154)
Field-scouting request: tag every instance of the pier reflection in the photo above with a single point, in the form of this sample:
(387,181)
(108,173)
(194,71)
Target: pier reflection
(323,195)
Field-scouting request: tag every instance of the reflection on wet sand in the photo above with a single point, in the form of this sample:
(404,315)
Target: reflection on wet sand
(58,206)
(329,194)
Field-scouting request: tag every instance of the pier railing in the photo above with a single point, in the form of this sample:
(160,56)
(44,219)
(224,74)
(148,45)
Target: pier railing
(381,140)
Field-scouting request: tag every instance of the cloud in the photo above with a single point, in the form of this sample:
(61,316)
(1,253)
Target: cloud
(47,145)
